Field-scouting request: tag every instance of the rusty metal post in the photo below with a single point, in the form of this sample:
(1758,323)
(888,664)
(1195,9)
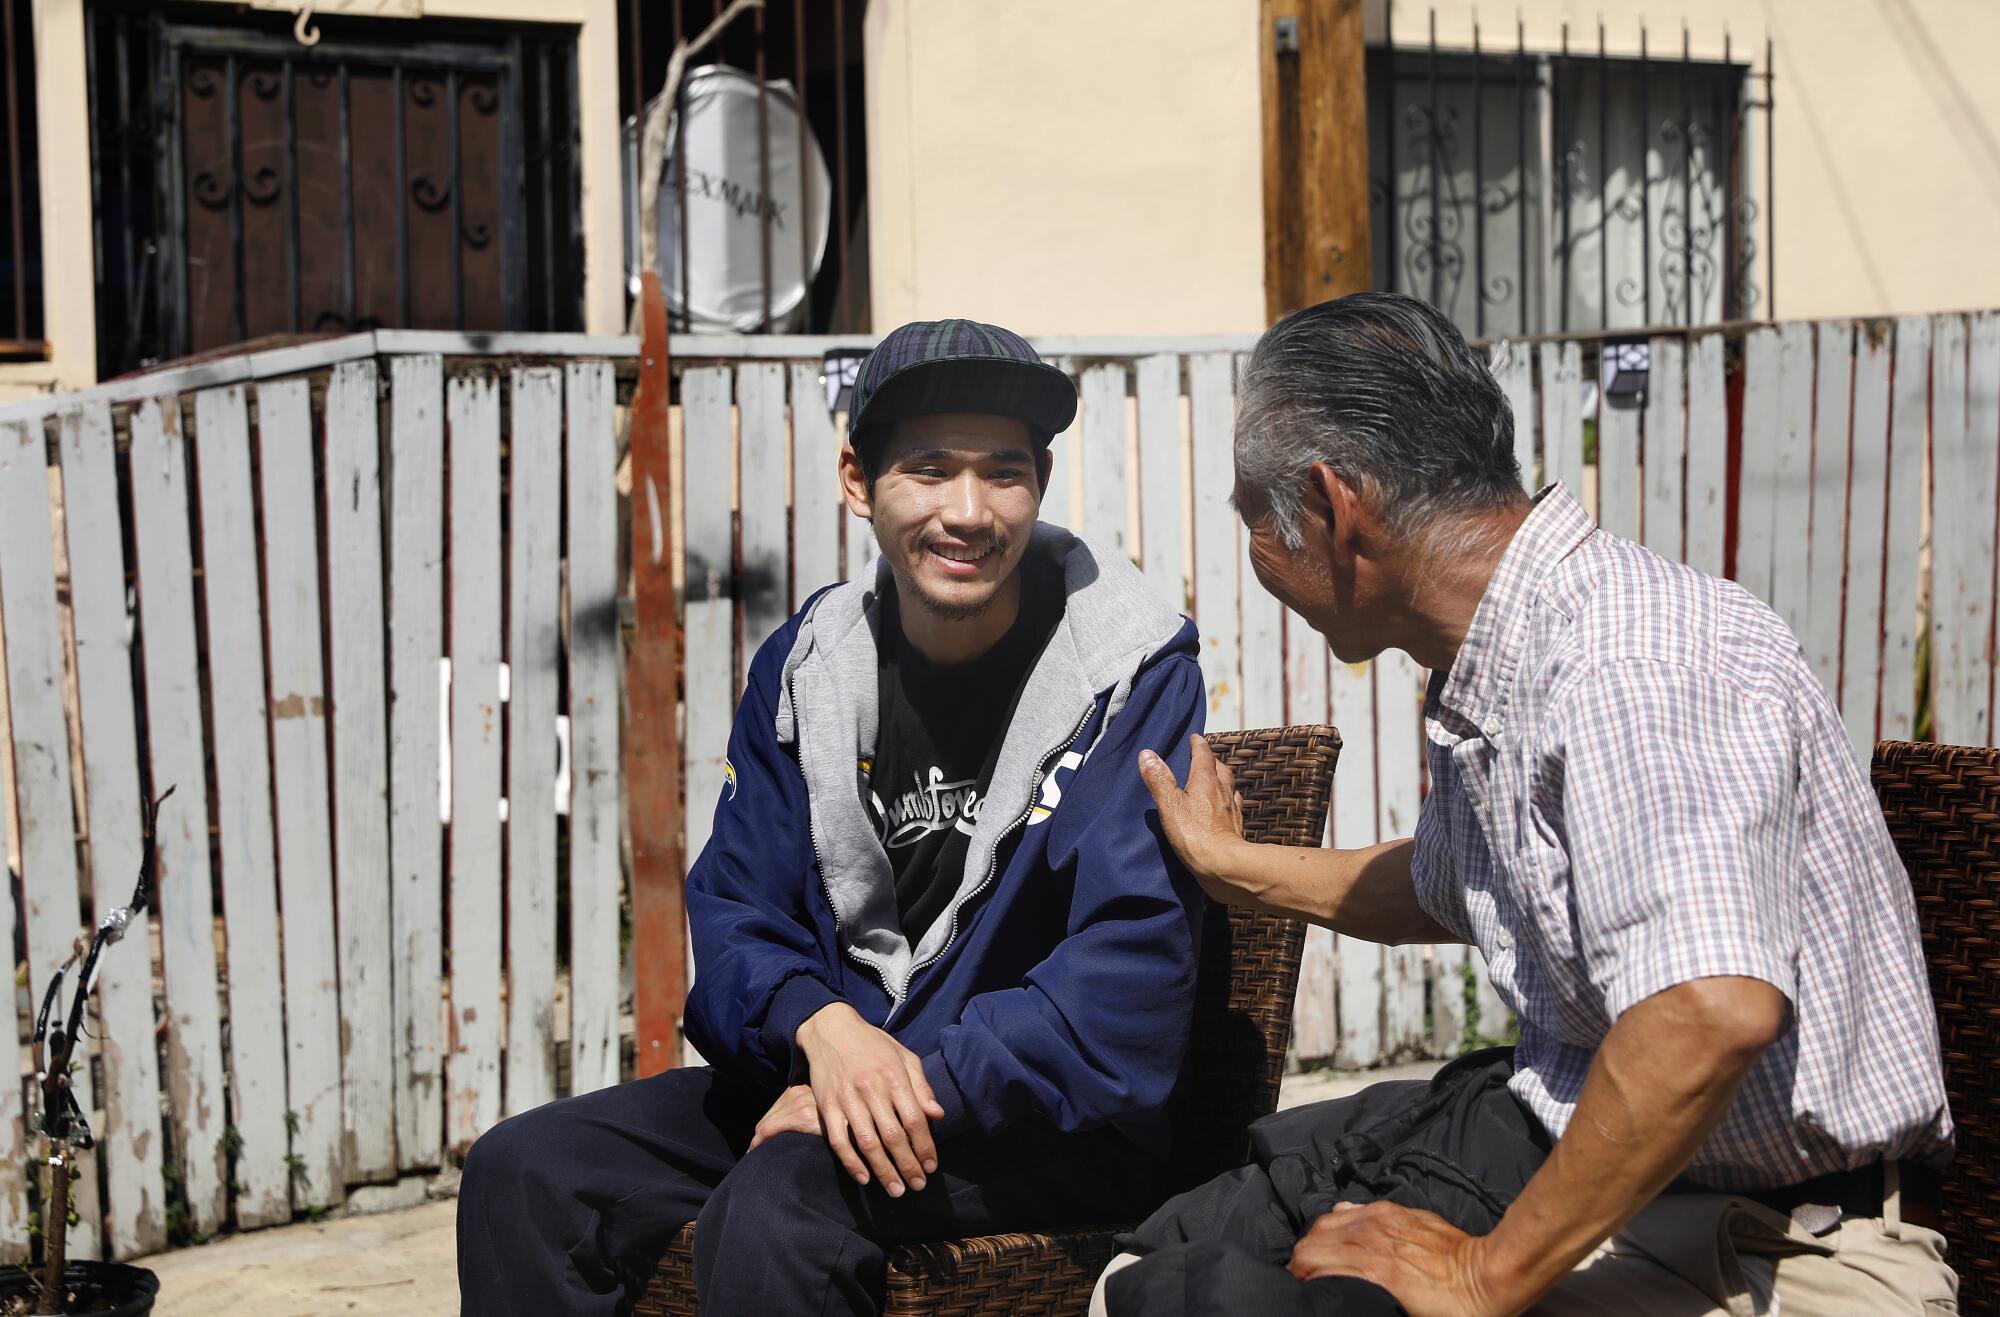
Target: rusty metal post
(652,687)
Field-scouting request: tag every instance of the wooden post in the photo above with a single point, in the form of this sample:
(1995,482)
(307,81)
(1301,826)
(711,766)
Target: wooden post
(652,680)
(1315,153)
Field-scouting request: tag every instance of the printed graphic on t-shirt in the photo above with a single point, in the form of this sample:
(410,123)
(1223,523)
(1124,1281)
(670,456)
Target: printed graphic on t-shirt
(931,805)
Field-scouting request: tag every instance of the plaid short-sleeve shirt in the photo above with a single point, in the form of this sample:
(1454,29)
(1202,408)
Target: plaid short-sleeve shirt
(1637,781)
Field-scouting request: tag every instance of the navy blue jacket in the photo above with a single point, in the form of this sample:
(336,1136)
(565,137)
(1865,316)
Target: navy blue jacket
(1057,992)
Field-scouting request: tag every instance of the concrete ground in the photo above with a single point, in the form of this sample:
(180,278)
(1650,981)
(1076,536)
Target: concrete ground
(392,1264)
(401,1263)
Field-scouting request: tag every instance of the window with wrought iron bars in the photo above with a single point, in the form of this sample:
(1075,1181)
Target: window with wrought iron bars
(404,174)
(21,326)
(1529,192)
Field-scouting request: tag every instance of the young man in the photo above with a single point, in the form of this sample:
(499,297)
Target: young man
(944,961)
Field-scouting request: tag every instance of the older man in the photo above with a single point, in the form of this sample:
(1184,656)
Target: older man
(1645,813)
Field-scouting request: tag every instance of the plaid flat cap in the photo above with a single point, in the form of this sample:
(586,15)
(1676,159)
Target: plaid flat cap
(958,366)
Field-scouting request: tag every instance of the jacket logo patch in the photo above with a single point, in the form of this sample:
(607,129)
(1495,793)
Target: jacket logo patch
(728,780)
(931,805)
(1052,787)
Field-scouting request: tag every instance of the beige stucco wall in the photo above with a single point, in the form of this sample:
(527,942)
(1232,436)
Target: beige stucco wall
(1072,166)
(1066,166)
(65,168)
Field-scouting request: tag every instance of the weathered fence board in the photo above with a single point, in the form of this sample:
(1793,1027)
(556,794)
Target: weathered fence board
(596,877)
(1562,424)
(1358,962)
(1514,367)
(1162,497)
(760,391)
(1315,1022)
(1961,544)
(1708,457)
(1102,409)
(472,1072)
(174,740)
(246,842)
(1827,568)
(360,715)
(135,1194)
(816,507)
(1211,399)
(292,616)
(1757,497)
(1263,645)
(1399,740)
(534,653)
(13,1134)
(416,646)
(1618,465)
(1909,418)
(1665,448)
(1861,646)
(1791,568)
(708,660)
(35,698)
(1982,441)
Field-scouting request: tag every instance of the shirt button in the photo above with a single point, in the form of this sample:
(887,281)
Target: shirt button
(1506,940)
(1492,727)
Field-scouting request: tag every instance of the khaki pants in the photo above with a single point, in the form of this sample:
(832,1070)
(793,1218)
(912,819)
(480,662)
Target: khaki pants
(1716,1255)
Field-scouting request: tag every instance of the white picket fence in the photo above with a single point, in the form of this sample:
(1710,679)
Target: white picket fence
(241,579)
(234,579)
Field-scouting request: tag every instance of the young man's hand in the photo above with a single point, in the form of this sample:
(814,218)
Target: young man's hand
(794,1112)
(874,1104)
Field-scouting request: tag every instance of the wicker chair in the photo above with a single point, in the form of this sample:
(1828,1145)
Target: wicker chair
(1943,807)
(1242,1021)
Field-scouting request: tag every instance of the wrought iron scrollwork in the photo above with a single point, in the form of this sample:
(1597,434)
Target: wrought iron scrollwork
(211,189)
(430,194)
(263,187)
(1435,228)
(1690,225)
(1748,294)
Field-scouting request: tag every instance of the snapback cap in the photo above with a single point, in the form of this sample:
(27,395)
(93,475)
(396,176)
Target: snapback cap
(958,366)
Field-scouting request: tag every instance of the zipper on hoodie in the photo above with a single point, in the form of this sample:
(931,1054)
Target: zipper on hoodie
(819,863)
(992,862)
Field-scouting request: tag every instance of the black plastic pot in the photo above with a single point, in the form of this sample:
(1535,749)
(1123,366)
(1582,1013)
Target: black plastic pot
(100,1289)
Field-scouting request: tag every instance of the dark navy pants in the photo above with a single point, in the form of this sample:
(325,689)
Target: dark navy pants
(563,1206)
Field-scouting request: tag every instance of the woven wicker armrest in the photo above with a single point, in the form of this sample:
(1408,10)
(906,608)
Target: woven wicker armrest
(1942,803)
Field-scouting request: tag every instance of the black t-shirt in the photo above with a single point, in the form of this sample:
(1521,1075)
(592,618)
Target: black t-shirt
(940,730)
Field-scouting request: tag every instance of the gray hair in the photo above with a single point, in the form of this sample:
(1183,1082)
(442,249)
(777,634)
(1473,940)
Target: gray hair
(1386,391)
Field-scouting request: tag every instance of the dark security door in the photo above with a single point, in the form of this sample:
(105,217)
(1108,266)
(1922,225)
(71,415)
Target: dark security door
(412,174)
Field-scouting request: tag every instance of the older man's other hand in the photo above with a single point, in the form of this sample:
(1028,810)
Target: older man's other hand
(1430,1266)
(1203,820)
